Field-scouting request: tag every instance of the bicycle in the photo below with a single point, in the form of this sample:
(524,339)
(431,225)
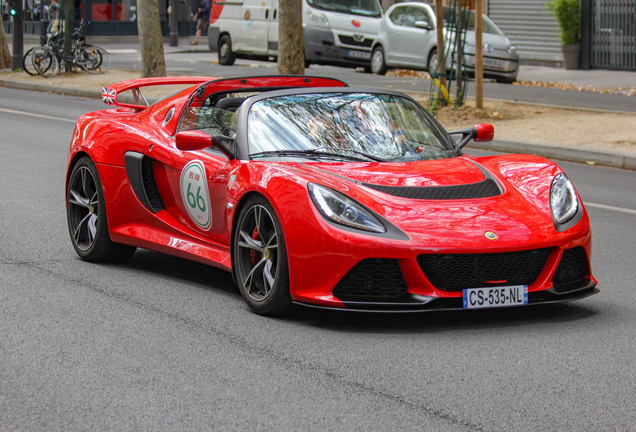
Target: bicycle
(46,59)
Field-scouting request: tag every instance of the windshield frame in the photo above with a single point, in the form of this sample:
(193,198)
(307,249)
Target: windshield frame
(242,141)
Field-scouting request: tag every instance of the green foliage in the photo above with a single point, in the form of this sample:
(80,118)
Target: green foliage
(568,15)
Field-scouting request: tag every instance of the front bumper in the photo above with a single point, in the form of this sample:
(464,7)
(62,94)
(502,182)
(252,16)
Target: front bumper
(322,48)
(418,303)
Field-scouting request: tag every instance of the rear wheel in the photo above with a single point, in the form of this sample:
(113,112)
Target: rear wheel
(259,259)
(94,60)
(378,63)
(86,216)
(226,56)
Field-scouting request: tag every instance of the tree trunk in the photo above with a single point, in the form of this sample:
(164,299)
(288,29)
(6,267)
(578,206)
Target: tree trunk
(5,54)
(291,48)
(150,40)
(67,18)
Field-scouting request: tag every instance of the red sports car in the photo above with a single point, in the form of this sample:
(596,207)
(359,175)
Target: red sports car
(313,192)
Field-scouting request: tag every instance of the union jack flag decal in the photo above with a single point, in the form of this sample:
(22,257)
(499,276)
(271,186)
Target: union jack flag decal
(108,95)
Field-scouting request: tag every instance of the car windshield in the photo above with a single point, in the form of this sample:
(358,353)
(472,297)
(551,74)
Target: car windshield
(356,7)
(361,126)
(488,26)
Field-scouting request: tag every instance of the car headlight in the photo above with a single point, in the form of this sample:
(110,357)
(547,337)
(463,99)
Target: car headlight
(343,210)
(563,200)
(316,18)
(512,49)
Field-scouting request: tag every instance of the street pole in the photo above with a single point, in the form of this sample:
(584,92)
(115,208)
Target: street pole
(18,38)
(479,54)
(173,23)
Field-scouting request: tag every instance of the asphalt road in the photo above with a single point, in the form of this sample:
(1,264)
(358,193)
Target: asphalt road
(204,63)
(160,343)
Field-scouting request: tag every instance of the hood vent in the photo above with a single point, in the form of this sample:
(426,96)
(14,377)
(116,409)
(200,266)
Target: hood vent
(484,189)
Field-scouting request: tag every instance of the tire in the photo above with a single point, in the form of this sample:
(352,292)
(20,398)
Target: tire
(378,63)
(226,56)
(27,63)
(86,216)
(432,62)
(94,60)
(504,80)
(259,259)
(45,61)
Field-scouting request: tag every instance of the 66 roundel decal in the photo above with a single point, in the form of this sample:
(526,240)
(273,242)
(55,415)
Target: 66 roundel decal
(194,191)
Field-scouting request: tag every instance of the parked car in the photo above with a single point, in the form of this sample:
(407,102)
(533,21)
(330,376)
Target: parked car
(336,32)
(408,39)
(313,192)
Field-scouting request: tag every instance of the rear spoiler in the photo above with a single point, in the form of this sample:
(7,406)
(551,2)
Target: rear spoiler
(109,94)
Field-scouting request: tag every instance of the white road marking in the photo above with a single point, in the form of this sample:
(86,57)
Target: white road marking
(37,115)
(606,207)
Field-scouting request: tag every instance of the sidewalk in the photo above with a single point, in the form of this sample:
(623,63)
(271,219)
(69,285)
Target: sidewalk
(596,78)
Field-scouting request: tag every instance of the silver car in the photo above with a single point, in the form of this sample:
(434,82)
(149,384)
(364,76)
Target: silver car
(408,39)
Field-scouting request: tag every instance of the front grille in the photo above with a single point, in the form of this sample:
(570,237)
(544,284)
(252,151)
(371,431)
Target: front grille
(455,272)
(348,40)
(483,189)
(572,270)
(148,177)
(373,277)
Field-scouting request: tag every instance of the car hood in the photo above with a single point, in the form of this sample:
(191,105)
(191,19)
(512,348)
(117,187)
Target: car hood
(446,172)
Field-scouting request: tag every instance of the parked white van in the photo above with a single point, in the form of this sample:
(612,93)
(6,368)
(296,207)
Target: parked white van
(336,32)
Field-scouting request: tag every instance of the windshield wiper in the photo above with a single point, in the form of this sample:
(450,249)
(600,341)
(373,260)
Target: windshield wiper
(318,152)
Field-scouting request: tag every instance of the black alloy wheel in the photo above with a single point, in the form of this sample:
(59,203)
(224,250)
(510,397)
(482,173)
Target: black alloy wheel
(259,259)
(86,216)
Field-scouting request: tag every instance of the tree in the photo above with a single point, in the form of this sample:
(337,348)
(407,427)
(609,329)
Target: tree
(150,40)
(291,48)
(5,55)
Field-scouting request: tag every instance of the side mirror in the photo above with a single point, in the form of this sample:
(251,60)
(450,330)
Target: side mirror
(423,25)
(192,140)
(482,132)
(198,140)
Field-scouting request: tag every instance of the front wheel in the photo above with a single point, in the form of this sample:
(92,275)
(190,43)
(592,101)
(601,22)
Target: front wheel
(433,58)
(45,61)
(226,56)
(259,259)
(378,62)
(86,216)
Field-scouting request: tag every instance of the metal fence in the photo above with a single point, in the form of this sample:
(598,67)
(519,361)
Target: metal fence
(614,34)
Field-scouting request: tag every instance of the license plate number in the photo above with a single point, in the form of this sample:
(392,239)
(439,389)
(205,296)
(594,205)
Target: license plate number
(475,298)
(359,54)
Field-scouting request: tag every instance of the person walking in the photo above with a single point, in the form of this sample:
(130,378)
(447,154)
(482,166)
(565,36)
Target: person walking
(202,18)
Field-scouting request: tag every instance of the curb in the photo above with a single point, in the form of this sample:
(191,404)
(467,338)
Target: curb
(610,158)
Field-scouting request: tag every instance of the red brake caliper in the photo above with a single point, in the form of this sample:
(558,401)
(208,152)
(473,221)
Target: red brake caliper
(253,254)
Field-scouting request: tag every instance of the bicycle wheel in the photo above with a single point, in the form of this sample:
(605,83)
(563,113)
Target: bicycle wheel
(94,60)
(45,62)
(27,63)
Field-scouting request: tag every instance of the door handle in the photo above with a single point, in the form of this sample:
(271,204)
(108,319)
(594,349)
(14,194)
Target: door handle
(266,13)
(274,13)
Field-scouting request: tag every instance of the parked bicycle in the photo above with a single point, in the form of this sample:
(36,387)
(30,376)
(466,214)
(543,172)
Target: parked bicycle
(46,59)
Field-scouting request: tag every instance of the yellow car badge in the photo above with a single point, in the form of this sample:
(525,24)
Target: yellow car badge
(491,235)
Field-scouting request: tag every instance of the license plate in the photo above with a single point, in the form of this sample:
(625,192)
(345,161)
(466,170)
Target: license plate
(475,298)
(492,62)
(360,54)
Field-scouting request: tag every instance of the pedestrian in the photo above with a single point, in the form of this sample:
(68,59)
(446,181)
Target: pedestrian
(53,11)
(202,18)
